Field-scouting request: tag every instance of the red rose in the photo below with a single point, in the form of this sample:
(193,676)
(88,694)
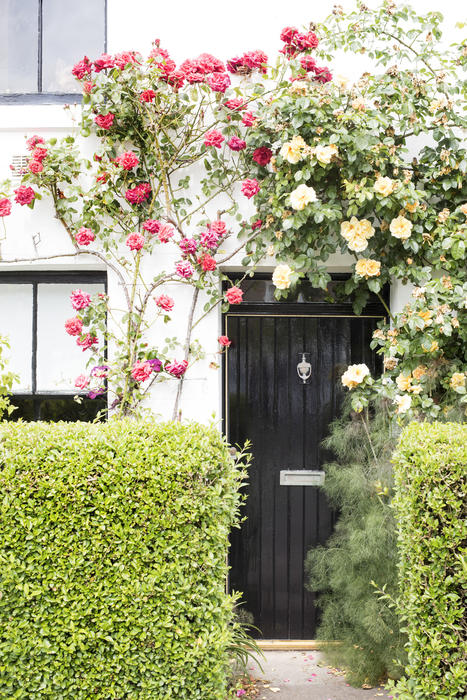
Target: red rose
(74,326)
(128,160)
(175,79)
(210,64)
(125,58)
(152,226)
(213,138)
(255,59)
(33,141)
(288,34)
(164,302)
(308,63)
(257,224)
(147,96)
(235,65)
(192,71)
(219,82)
(5,207)
(39,154)
(262,155)
(207,263)
(104,121)
(135,241)
(105,61)
(87,342)
(250,187)
(323,75)
(306,41)
(248,119)
(234,295)
(35,166)
(82,68)
(24,195)
(236,144)
(84,236)
(236,103)
(137,195)
(224,341)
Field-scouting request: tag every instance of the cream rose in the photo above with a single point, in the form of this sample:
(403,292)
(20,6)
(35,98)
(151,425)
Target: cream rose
(292,151)
(457,380)
(354,375)
(302,196)
(404,382)
(385,186)
(281,276)
(368,268)
(324,154)
(401,227)
(464,209)
(357,233)
(403,403)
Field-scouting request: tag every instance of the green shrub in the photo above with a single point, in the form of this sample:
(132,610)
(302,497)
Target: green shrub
(113,543)
(361,551)
(431,509)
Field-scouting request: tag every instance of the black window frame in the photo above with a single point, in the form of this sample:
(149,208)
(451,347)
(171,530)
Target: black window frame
(35,278)
(40,97)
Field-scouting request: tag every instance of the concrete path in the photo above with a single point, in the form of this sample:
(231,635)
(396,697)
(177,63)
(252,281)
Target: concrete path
(302,675)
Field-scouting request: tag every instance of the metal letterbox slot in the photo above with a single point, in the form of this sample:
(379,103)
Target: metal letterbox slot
(301,477)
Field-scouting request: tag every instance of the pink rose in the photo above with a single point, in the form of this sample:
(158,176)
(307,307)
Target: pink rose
(141,371)
(147,96)
(82,68)
(24,195)
(39,154)
(188,246)
(184,269)
(224,341)
(207,263)
(138,194)
(209,239)
(32,142)
(84,236)
(105,61)
(234,295)
(250,187)
(74,326)
(125,58)
(164,302)
(87,87)
(35,166)
(5,207)
(236,103)
(165,234)
(192,71)
(104,121)
(308,63)
(235,65)
(213,138)
(306,41)
(175,79)
(248,119)
(152,226)
(81,382)
(176,369)
(210,64)
(262,155)
(218,227)
(323,75)
(80,299)
(135,241)
(236,144)
(219,82)
(255,59)
(87,342)
(127,160)
(288,34)
(241,692)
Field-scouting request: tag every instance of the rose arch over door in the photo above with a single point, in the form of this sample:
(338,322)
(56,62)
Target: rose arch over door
(286,420)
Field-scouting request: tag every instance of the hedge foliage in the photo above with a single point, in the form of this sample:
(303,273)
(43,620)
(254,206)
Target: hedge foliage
(431,510)
(113,542)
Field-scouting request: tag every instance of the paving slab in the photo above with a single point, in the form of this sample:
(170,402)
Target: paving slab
(302,675)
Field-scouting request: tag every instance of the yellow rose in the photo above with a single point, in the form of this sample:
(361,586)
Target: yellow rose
(270,250)
(433,347)
(324,154)
(366,229)
(411,207)
(426,317)
(417,389)
(404,381)
(385,186)
(357,233)
(281,276)
(403,403)
(419,372)
(401,228)
(302,196)
(292,151)
(464,209)
(457,379)
(354,375)
(367,268)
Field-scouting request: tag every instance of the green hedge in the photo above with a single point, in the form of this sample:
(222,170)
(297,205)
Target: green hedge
(431,510)
(113,542)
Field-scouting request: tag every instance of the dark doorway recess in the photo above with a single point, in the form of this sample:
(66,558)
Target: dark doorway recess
(286,421)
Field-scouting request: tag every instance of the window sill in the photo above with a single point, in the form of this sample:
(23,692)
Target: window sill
(41,98)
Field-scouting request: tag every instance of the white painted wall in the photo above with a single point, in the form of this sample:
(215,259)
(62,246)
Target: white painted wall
(185,29)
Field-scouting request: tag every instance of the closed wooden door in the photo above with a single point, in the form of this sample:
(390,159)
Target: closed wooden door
(286,421)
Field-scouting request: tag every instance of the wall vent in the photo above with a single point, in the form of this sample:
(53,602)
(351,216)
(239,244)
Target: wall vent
(19,166)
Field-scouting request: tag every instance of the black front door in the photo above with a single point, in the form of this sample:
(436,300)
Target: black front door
(286,421)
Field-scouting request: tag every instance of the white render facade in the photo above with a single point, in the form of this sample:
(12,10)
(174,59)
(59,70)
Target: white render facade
(185,31)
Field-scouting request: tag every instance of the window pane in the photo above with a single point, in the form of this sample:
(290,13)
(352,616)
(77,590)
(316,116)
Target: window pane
(18,45)
(70,31)
(16,324)
(59,359)
(68,409)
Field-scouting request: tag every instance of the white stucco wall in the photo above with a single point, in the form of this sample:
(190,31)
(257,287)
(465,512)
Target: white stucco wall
(185,29)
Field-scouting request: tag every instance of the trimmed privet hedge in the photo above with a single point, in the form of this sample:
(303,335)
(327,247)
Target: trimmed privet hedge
(113,542)
(431,511)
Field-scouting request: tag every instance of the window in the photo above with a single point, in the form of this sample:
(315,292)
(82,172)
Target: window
(41,40)
(33,309)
